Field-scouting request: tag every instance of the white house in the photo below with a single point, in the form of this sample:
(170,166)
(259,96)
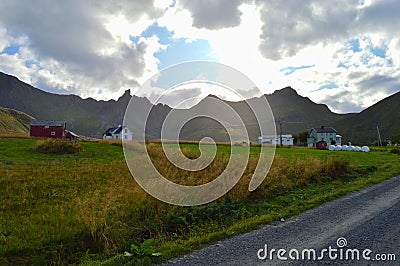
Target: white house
(326,134)
(287,139)
(120,132)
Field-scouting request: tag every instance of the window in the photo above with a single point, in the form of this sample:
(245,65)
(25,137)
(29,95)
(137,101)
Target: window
(53,133)
(126,130)
(126,136)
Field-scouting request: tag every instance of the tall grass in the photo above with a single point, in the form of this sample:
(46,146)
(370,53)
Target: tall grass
(57,213)
(13,134)
(57,146)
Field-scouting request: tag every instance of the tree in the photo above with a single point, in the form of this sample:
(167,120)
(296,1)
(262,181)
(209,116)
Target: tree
(303,136)
(395,139)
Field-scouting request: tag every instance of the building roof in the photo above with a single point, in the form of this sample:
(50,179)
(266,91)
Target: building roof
(54,123)
(276,136)
(118,130)
(324,129)
(110,131)
(114,130)
(73,134)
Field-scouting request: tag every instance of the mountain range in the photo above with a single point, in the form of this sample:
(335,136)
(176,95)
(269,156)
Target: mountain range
(295,113)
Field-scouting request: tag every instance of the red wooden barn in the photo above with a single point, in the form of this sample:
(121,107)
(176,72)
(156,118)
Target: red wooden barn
(48,129)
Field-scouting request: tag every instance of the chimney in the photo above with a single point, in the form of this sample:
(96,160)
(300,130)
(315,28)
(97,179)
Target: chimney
(322,127)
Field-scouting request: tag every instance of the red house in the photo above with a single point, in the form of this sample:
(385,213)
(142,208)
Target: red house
(48,129)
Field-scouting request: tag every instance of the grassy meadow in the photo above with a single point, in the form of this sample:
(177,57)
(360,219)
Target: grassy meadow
(85,208)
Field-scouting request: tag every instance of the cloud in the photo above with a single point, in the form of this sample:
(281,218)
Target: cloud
(84,47)
(289,27)
(70,40)
(345,103)
(211,14)
(373,83)
(380,17)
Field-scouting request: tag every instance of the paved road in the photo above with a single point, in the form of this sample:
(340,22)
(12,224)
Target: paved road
(367,219)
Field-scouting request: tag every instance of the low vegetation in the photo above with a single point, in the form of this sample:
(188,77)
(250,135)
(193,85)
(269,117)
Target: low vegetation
(395,150)
(57,146)
(85,208)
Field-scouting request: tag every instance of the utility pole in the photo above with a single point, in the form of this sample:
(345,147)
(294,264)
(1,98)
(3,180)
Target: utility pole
(280,128)
(379,136)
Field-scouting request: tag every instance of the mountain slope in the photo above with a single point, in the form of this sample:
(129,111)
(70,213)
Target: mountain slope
(362,128)
(14,121)
(296,113)
(85,116)
(299,113)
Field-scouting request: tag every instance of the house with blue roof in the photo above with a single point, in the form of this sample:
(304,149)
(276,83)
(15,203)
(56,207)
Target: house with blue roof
(119,132)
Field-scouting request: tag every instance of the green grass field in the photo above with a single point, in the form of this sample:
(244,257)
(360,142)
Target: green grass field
(85,208)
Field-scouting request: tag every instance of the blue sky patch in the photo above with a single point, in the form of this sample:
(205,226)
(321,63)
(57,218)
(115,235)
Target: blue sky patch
(354,45)
(29,63)
(178,50)
(341,64)
(163,34)
(10,50)
(380,52)
(329,85)
(181,51)
(291,69)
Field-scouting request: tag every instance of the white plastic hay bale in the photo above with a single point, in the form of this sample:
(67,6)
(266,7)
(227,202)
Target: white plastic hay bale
(350,148)
(365,148)
(344,147)
(357,148)
(338,148)
(331,147)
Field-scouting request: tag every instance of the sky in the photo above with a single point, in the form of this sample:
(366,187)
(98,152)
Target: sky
(345,54)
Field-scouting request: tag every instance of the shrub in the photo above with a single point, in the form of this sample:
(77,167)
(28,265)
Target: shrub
(395,151)
(57,146)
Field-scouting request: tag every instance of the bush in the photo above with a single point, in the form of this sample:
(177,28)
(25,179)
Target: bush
(57,146)
(395,151)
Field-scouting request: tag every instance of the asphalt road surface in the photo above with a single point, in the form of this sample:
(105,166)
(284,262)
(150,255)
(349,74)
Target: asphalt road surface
(366,222)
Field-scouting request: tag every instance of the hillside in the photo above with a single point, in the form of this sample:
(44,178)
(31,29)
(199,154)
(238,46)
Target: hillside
(296,113)
(84,116)
(299,113)
(362,128)
(14,121)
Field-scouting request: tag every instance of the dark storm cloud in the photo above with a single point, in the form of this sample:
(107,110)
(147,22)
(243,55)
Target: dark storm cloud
(213,14)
